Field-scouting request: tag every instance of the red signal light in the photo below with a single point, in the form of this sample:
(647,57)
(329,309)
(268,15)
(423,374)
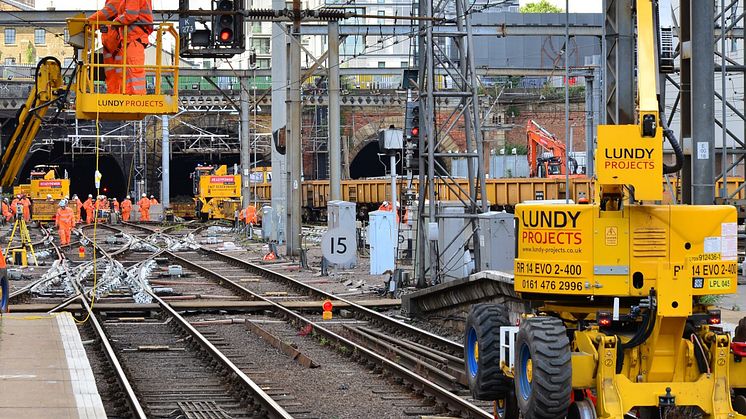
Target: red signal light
(327,306)
(226,35)
(415,131)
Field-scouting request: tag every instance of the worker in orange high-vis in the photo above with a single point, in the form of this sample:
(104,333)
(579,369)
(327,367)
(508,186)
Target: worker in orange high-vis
(115,205)
(126,208)
(88,206)
(111,39)
(78,205)
(153,201)
(7,213)
(250,216)
(241,218)
(26,203)
(137,16)
(14,204)
(144,204)
(65,221)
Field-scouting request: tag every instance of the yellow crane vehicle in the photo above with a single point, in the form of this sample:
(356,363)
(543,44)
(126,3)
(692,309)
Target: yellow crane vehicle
(217,193)
(86,91)
(45,190)
(618,326)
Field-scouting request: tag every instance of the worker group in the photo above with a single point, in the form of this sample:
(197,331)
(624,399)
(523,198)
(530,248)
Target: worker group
(88,211)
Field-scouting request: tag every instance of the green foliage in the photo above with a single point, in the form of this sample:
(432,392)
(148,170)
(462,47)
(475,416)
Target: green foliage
(30,53)
(542,6)
(521,149)
(710,299)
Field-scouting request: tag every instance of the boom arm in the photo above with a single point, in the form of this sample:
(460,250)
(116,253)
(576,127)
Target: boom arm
(47,90)
(536,137)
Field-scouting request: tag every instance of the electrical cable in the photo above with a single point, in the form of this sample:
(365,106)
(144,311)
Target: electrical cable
(94,57)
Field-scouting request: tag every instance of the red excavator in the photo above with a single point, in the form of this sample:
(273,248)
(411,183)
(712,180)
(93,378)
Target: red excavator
(546,154)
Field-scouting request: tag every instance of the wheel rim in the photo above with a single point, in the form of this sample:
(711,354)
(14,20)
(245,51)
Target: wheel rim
(4,294)
(500,408)
(472,350)
(526,372)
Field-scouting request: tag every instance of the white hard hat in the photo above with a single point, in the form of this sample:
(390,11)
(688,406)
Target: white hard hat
(151,196)
(63,203)
(128,197)
(90,196)
(49,196)
(144,195)
(385,202)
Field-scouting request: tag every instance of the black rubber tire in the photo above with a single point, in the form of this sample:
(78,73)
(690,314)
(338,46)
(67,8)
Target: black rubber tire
(488,381)
(739,402)
(545,394)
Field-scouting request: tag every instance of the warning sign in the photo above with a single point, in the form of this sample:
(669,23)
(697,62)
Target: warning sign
(50,184)
(226,180)
(612,236)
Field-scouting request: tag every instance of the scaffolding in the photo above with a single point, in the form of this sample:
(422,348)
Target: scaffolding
(447,52)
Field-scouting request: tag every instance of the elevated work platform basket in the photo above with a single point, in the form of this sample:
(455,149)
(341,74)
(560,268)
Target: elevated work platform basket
(92,101)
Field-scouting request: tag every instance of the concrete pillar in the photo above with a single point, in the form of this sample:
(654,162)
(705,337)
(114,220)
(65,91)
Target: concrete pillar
(685,89)
(165,162)
(703,102)
(245,144)
(335,143)
(279,122)
(294,147)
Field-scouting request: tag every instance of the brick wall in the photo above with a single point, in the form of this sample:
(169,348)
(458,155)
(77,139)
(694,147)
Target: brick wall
(552,118)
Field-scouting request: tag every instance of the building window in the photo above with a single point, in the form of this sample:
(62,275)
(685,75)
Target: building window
(405,64)
(40,37)
(262,63)
(10,61)
(261,45)
(256,27)
(382,64)
(66,37)
(10,36)
(381,13)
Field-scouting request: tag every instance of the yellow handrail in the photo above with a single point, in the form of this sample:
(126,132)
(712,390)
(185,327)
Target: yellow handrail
(91,67)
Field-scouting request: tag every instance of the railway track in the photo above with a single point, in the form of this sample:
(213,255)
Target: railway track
(418,359)
(364,353)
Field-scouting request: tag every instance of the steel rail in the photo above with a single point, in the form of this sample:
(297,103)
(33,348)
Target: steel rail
(273,409)
(386,320)
(124,384)
(454,401)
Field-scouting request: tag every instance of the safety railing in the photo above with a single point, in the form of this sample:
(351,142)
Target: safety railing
(158,98)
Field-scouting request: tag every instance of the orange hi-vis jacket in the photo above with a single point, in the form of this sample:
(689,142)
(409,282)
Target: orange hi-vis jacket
(115,203)
(144,204)
(112,42)
(26,208)
(251,215)
(65,218)
(7,214)
(139,13)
